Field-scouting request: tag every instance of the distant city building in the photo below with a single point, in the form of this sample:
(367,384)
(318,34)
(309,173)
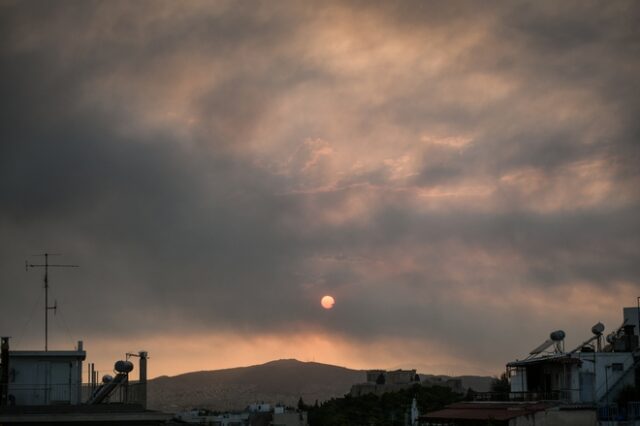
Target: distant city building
(259,407)
(401,377)
(257,414)
(206,417)
(381,381)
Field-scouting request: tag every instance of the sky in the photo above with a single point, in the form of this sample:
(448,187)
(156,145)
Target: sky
(462,178)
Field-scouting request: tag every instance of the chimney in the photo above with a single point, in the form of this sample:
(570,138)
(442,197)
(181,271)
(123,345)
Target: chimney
(630,337)
(4,371)
(143,377)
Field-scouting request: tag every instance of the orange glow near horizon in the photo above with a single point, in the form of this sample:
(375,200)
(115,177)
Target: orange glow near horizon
(177,352)
(181,353)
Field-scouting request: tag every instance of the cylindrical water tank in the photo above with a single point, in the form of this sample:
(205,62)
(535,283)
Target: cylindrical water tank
(597,329)
(557,335)
(123,366)
(107,378)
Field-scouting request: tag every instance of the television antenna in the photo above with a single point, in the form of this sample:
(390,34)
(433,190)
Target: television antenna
(47,308)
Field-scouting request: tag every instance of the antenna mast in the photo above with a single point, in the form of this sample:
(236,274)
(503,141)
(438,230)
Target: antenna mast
(47,308)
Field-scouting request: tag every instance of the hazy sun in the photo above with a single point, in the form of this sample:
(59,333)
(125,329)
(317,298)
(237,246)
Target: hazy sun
(327,302)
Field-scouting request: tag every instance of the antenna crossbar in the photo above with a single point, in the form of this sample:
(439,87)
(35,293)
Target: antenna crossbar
(46,265)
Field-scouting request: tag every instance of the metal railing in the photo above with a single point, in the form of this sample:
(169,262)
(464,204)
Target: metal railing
(555,395)
(629,411)
(39,394)
(558,395)
(131,392)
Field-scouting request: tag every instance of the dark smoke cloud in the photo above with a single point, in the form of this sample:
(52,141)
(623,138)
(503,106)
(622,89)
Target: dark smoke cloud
(223,166)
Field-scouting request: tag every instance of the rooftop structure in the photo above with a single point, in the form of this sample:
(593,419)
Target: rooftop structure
(45,378)
(554,385)
(38,387)
(593,372)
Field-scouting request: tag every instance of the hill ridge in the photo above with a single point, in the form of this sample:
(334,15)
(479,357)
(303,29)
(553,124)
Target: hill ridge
(277,381)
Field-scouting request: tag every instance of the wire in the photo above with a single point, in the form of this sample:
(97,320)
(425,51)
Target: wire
(33,310)
(66,327)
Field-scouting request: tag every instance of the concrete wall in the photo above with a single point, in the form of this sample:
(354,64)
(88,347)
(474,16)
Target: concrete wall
(599,363)
(372,375)
(44,381)
(400,377)
(518,380)
(555,417)
(366,388)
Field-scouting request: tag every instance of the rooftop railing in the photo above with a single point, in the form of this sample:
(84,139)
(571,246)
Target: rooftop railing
(131,392)
(555,395)
(40,394)
(558,395)
(620,412)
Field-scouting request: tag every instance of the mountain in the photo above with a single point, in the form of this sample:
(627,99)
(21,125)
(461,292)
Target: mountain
(282,381)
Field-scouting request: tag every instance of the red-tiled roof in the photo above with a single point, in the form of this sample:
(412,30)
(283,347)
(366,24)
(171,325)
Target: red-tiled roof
(485,411)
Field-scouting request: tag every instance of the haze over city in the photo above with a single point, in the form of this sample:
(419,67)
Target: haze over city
(461,178)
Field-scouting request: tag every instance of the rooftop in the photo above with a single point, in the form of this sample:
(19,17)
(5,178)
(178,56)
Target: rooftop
(486,410)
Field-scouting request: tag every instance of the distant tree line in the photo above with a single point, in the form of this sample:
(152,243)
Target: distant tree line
(389,409)
(501,388)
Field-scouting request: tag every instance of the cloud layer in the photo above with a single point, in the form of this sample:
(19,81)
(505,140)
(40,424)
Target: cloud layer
(457,178)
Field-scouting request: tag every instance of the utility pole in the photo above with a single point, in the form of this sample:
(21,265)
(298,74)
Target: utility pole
(47,308)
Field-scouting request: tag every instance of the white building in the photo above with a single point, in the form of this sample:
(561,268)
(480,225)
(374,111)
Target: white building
(45,387)
(205,417)
(46,378)
(588,374)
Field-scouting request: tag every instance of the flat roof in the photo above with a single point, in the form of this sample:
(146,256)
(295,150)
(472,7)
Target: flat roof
(560,359)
